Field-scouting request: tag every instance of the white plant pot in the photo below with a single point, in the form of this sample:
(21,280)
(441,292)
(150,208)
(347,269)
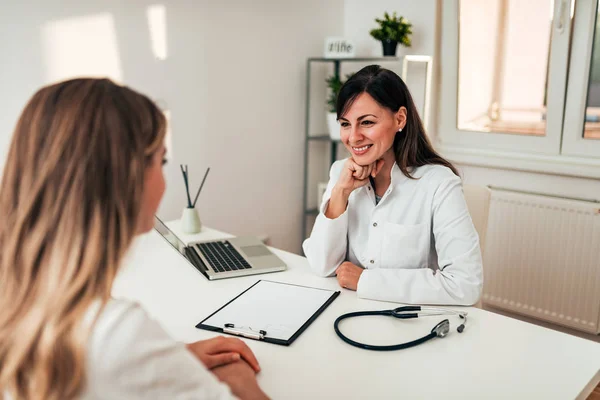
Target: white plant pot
(190,221)
(333,125)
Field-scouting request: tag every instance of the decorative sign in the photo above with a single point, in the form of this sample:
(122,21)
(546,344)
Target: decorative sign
(338,47)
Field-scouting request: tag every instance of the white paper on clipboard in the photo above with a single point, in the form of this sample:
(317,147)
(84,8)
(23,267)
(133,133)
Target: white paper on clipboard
(280,309)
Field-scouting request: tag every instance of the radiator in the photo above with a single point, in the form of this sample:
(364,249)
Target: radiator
(542,258)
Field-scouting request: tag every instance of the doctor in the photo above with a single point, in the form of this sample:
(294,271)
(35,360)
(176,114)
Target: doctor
(393,224)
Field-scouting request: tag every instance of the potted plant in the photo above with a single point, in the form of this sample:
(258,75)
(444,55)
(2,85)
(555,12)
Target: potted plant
(392,30)
(334,83)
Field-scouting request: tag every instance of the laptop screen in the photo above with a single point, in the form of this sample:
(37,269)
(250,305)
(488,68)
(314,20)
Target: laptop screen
(169,236)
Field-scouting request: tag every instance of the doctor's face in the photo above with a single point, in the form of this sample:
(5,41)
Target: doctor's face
(368,129)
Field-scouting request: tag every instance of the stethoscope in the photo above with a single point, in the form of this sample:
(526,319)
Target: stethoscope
(405,312)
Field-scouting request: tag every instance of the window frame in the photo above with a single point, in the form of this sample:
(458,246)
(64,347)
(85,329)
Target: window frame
(574,144)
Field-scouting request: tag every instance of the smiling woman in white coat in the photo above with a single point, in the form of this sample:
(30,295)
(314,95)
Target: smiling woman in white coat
(393,224)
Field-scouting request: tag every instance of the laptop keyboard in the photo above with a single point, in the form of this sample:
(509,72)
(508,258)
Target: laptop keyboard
(222,256)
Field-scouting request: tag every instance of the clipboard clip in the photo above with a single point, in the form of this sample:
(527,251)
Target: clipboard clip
(244,332)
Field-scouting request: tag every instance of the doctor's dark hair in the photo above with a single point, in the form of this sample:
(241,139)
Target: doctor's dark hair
(411,146)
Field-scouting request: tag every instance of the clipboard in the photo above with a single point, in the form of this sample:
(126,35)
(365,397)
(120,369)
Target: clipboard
(269,311)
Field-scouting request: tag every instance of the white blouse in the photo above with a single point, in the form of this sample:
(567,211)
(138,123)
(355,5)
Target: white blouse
(418,245)
(130,356)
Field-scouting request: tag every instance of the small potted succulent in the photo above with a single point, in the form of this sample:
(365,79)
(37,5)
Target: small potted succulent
(392,30)
(334,83)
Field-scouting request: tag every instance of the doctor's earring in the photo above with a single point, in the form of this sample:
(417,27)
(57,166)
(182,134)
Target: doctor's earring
(399,130)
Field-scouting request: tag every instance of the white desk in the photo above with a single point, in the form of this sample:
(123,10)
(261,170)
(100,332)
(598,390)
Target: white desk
(495,358)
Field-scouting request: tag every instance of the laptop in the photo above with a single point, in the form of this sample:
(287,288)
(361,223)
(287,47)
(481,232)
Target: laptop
(224,258)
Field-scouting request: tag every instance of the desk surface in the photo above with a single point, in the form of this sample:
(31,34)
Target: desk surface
(495,358)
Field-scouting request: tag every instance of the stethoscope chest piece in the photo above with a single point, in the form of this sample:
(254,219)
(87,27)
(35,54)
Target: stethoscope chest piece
(441,329)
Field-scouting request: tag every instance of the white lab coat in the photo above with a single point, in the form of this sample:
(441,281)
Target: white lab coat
(418,245)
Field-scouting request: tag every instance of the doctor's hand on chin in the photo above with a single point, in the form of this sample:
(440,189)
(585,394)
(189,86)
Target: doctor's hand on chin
(352,177)
(348,275)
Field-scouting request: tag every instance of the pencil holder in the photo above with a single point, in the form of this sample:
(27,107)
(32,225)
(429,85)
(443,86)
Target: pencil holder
(190,221)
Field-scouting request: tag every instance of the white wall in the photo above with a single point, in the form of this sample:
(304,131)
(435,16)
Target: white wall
(566,186)
(233,81)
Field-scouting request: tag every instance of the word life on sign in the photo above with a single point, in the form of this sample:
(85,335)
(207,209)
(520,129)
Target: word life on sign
(338,47)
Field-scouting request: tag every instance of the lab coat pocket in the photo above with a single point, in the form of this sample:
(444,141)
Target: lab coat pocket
(404,246)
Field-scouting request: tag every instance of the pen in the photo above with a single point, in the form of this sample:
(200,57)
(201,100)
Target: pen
(244,332)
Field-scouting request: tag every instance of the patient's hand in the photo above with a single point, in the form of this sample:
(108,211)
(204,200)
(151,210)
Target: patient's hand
(348,275)
(241,379)
(221,350)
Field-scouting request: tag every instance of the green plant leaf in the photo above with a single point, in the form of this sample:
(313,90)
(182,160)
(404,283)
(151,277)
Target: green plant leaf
(396,28)
(334,84)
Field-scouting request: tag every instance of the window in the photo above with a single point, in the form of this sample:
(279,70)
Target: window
(503,62)
(581,129)
(508,82)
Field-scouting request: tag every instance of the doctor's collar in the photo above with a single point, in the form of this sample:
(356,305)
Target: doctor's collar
(397,176)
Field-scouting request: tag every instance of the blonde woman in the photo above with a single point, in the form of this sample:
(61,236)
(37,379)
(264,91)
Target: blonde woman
(83,177)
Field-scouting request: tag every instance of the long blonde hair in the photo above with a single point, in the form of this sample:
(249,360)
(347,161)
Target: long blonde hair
(69,204)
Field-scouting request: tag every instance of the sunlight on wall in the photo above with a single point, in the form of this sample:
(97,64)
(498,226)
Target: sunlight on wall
(81,46)
(157,25)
